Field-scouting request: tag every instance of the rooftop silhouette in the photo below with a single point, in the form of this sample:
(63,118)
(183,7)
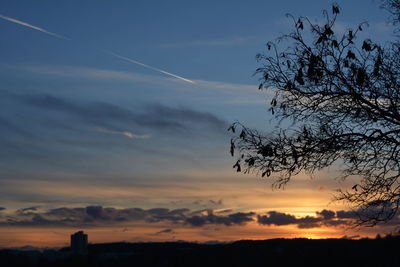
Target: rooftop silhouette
(79,242)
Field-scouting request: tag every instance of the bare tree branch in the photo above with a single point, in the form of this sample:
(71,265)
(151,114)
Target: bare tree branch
(344,96)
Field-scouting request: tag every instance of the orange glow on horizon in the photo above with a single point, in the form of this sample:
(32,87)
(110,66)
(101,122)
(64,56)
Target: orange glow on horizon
(59,237)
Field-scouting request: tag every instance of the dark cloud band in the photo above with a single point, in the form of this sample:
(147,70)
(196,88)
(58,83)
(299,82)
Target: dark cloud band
(100,114)
(98,215)
(92,216)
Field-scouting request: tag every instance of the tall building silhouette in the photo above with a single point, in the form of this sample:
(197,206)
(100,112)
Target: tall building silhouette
(79,242)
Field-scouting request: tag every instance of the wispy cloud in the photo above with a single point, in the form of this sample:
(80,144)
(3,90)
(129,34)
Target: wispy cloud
(113,119)
(22,23)
(165,231)
(124,133)
(211,43)
(9,127)
(109,74)
(90,73)
(223,86)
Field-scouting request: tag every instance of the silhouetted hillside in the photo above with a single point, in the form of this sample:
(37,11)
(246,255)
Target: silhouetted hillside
(274,252)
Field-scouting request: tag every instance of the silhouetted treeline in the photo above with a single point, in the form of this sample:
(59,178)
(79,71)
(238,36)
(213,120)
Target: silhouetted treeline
(274,252)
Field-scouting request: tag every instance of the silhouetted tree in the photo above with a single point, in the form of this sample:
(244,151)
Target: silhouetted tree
(393,6)
(343,96)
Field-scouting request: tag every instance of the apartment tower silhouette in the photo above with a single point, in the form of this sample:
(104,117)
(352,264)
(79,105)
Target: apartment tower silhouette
(79,242)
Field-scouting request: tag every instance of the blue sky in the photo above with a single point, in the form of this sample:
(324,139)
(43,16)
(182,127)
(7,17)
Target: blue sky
(80,127)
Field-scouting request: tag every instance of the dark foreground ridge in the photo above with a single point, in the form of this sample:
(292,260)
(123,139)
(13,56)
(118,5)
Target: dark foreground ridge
(274,252)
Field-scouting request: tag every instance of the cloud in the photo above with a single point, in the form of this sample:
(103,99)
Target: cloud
(216,202)
(124,133)
(109,74)
(211,43)
(91,73)
(344,214)
(309,222)
(276,218)
(8,127)
(326,214)
(225,211)
(214,92)
(27,209)
(230,87)
(96,212)
(375,211)
(238,218)
(323,218)
(113,119)
(93,216)
(180,117)
(99,215)
(165,231)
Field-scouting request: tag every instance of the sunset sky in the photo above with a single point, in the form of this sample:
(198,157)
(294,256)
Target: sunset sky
(114,117)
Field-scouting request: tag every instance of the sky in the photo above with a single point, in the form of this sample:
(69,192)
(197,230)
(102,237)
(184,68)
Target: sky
(114,117)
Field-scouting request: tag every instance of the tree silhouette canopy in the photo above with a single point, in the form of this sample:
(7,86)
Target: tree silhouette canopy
(342,96)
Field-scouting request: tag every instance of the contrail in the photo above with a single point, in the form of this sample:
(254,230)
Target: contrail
(33,27)
(147,66)
(105,51)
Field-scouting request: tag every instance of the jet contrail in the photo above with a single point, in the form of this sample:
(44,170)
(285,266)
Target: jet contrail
(33,27)
(105,51)
(147,66)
